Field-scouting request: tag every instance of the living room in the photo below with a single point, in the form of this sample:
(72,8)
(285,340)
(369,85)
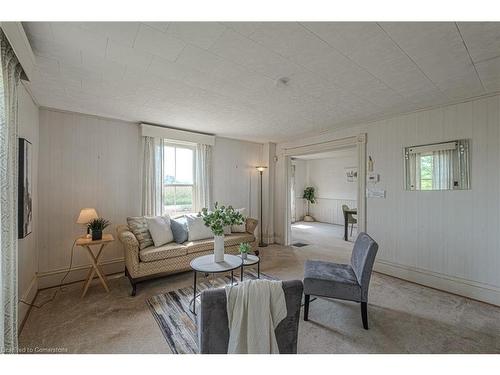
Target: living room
(233,187)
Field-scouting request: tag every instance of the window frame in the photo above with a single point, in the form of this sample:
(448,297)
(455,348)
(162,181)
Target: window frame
(176,145)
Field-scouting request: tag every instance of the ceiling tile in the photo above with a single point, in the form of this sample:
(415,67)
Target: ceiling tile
(155,42)
(132,57)
(123,32)
(161,26)
(241,50)
(482,39)
(201,34)
(438,49)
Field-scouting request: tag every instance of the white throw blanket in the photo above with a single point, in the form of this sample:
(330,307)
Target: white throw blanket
(254,310)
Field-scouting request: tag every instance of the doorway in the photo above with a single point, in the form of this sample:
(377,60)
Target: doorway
(357,142)
(332,177)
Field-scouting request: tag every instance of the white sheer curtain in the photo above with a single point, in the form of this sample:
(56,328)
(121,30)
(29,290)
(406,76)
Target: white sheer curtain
(442,171)
(203,177)
(152,181)
(10,74)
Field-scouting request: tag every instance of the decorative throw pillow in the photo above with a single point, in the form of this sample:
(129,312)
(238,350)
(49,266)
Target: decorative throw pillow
(139,228)
(179,229)
(227,229)
(242,228)
(159,228)
(197,229)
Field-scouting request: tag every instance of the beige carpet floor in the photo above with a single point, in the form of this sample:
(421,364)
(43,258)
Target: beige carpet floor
(403,317)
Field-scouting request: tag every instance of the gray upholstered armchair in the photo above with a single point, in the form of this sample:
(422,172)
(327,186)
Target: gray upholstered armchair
(343,281)
(213,331)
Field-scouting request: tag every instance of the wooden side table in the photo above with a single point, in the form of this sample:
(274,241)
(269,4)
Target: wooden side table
(94,259)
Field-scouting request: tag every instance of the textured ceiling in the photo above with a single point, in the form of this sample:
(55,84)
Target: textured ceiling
(223,78)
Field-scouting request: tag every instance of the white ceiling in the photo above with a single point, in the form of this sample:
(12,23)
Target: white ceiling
(221,78)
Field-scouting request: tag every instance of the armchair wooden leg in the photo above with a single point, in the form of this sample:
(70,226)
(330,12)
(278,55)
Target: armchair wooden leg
(306,306)
(364,314)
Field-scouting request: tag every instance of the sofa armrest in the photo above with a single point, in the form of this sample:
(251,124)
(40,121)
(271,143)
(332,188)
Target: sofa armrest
(130,247)
(250,225)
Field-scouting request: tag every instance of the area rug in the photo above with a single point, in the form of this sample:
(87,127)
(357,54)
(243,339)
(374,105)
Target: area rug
(177,323)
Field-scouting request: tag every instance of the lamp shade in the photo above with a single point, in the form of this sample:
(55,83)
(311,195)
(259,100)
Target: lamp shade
(261,168)
(86,215)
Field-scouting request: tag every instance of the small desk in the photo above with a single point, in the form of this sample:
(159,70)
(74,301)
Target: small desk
(94,259)
(353,211)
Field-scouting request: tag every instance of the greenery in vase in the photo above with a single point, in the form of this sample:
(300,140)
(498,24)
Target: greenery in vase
(221,217)
(245,248)
(309,197)
(98,224)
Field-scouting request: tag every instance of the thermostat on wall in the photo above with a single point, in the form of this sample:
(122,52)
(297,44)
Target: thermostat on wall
(373,177)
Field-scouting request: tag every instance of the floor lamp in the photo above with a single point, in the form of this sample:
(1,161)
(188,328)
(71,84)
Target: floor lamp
(261,169)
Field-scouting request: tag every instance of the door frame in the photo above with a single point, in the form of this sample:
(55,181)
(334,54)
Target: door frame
(358,141)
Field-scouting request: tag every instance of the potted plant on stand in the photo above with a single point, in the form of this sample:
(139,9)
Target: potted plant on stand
(216,220)
(244,248)
(310,198)
(96,227)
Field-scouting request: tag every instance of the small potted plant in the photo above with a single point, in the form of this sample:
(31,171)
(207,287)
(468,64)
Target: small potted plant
(244,248)
(310,198)
(96,226)
(216,220)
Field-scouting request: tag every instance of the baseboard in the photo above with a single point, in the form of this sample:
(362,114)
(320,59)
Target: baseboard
(472,289)
(28,296)
(53,278)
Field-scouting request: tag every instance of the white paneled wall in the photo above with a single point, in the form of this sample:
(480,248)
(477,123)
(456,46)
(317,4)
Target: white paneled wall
(329,210)
(446,239)
(88,161)
(85,161)
(236,181)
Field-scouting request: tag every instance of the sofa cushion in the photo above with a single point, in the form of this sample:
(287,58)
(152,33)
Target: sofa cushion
(179,229)
(170,250)
(139,228)
(208,244)
(159,228)
(197,230)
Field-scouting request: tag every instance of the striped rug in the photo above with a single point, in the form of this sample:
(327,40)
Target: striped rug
(177,323)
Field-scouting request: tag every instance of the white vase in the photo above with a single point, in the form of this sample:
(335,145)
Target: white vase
(219,249)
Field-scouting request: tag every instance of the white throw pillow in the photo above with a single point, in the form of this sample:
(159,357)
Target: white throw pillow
(159,227)
(227,229)
(197,229)
(242,227)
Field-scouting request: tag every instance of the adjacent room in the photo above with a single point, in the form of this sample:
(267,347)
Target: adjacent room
(324,189)
(250,187)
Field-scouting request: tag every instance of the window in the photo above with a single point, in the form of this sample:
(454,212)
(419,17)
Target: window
(178,179)
(438,166)
(426,172)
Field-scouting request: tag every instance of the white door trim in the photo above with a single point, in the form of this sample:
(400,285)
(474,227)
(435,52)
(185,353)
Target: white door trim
(359,142)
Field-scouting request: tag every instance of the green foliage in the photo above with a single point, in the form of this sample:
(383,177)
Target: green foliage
(426,170)
(98,224)
(245,248)
(309,194)
(221,217)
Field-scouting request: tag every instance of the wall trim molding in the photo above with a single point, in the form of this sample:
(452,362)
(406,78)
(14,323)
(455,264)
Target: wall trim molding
(50,279)
(462,287)
(28,296)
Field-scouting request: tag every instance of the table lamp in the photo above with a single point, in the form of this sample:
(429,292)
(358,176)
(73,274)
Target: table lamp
(86,215)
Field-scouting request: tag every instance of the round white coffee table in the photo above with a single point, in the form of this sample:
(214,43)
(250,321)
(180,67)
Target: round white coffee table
(206,264)
(250,261)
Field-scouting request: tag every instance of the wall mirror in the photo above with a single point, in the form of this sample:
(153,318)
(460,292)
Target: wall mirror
(438,166)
